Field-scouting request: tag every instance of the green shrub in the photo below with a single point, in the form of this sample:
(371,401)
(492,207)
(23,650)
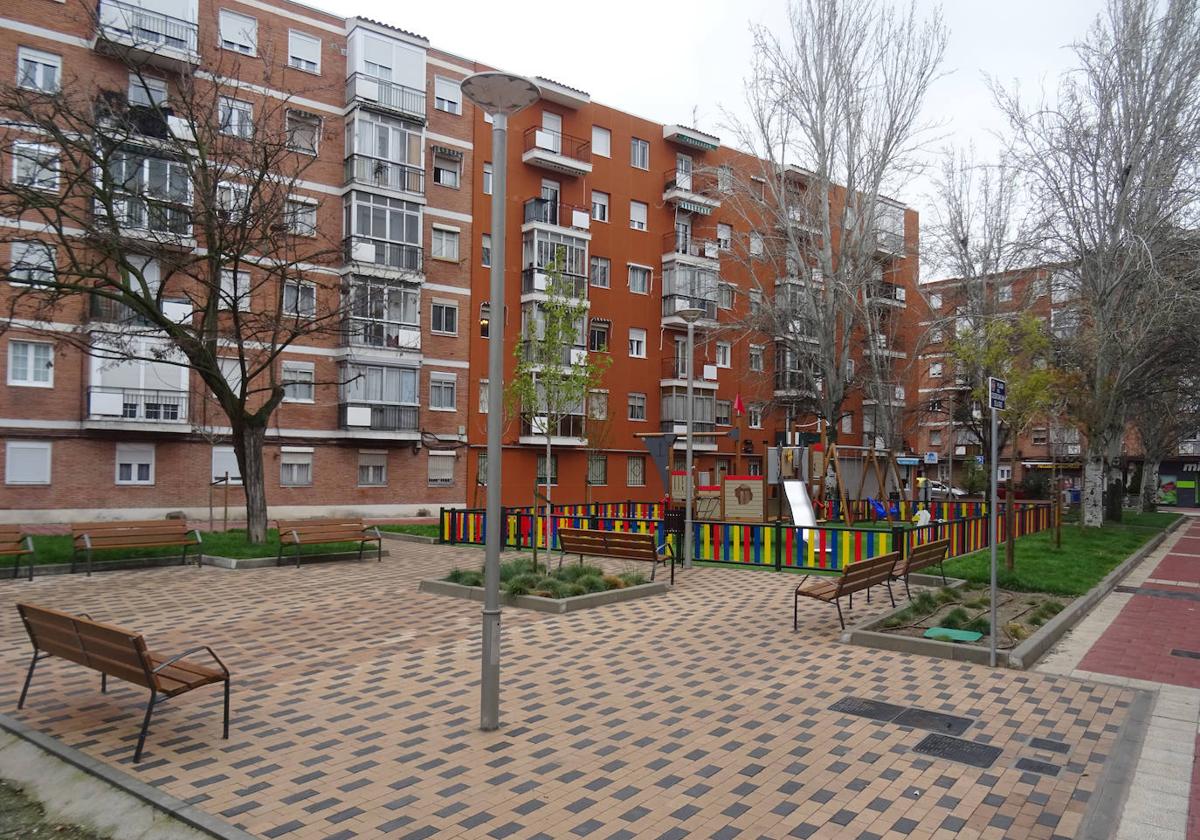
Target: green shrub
(521,584)
(575,571)
(592,583)
(633,578)
(465,577)
(955,619)
(574,589)
(979,625)
(549,587)
(946,595)
(924,603)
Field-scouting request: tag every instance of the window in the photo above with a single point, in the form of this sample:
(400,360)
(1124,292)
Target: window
(935,300)
(35,166)
(146,91)
(231,372)
(372,468)
(599,272)
(597,405)
(236,117)
(298,382)
(31,364)
(447,95)
(304,51)
(441,469)
(935,437)
(224,464)
(635,471)
(756,244)
(233,201)
(235,290)
(485,250)
(301,217)
(637,406)
(444,318)
(485,319)
(935,370)
(597,475)
(754,415)
(487,179)
(37,70)
(601,141)
(303,132)
(639,279)
(598,336)
(756,357)
(724,352)
(32,262)
(847,424)
(446,171)
(755,297)
(27,462)
(937,335)
(724,236)
(639,154)
(637,343)
(443,391)
(724,296)
(481,468)
(444,244)
(725,178)
(299,298)
(483,396)
(239,32)
(295,466)
(637,215)
(599,206)
(1039,437)
(541,469)
(135,463)
(1006,293)
(724,412)
(1003,472)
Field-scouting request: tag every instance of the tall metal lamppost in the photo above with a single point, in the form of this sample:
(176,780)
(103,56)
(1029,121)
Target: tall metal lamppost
(498,94)
(691,314)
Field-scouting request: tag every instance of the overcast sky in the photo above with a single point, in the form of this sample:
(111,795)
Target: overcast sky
(661,60)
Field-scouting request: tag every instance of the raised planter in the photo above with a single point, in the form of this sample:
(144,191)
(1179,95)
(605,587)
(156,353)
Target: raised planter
(1024,655)
(547,605)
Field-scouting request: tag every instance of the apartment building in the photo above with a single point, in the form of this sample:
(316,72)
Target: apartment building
(374,409)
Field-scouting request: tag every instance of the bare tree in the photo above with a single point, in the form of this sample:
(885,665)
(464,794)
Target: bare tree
(1111,167)
(170,216)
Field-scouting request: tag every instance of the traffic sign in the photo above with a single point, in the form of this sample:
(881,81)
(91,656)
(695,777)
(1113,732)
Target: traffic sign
(931,457)
(979,460)
(907,461)
(997,392)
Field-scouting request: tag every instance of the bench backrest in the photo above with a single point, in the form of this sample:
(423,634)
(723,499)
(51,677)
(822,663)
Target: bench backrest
(623,545)
(292,531)
(12,539)
(921,556)
(130,534)
(111,650)
(867,572)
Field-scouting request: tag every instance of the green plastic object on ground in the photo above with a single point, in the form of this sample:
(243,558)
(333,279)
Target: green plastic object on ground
(945,634)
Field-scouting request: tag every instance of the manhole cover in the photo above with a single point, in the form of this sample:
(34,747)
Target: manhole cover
(1047,744)
(1035,766)
(958,749)
(1186,654)
(862,707)
(933,721)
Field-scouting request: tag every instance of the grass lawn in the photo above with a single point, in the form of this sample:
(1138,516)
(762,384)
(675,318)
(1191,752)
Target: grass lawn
(1086,556)
(419,530)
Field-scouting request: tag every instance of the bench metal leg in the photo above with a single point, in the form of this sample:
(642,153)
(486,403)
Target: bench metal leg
(942,569)
(29,677)
(888,584)
(795,611)
(137,753)
(907,592)
(279,557)
(183,556)
(103,683)
(225,734)
(653,569)
(837,603)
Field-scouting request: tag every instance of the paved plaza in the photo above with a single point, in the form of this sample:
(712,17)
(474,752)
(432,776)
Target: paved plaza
(697,713)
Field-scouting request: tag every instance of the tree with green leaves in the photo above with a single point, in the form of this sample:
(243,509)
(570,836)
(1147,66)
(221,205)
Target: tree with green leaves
(555,372)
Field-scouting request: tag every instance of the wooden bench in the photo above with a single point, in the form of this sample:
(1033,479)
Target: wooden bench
(617,545)
(856,577)
(149,533)
(15,543)
(920,557)
(301,532)
(117,652)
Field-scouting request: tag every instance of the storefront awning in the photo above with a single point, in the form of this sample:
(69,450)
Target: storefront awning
(693,207)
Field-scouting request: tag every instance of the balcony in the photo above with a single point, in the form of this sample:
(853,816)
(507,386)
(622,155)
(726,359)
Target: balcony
(385,174)
(675,302)
(794,384)
(542,211)
(383,257)
(382,335)
(691,191)
(889,294)
(888,243)
(536,282)
(567,356)
(165,222)
(684,247)
(362,89)
(571,430)
(675,371)
(379,417)
(557,152)
(136,405)
(108,311)
(147,36)
(882,345)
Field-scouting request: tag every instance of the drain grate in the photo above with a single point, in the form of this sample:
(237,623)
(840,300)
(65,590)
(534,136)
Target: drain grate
(933,721)
(958,749)
(1045,768)
(1186,654)
(862,707)
(1048,745)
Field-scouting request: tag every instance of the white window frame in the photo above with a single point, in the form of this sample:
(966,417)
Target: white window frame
(441,379)
(444,305)
(1005,293)
(630,267)
(234,287)
(313,42)
(757,362)
(225,454)
(44,60)
(600,206)
(936,370)
(450,165)
(637,343)
(45,161)
(441,459)
(724,354)
(639,149)
(234,199)
(372,459)
(235,117)
(298,309)
(308,119)
(483,396)
(629,461)
(723,412)
(597,404)
(757,245)
(599,131)
(633,400)
(441,238)
(44,446)
(297,209)
(150,88)
(935,300)
(135,455)
(488,173)
(595,458)
(594,263)
(754,416)
(32,274)
(243,32)
(25,379)
(296,456)
(291,368)
(450,104)
(485,250)
(634,222)
(724,242)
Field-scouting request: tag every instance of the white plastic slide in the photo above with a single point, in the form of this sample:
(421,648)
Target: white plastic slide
(796,493)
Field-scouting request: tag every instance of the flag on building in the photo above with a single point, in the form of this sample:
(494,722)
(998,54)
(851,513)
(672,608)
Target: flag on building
(739,407)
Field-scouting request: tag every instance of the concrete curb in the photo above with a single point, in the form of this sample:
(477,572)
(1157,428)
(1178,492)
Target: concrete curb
(1103,815)
(175,809)
(402,537)
(547,605)
(229,563)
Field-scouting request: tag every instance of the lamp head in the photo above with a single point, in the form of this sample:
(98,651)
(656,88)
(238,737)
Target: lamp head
(500,93)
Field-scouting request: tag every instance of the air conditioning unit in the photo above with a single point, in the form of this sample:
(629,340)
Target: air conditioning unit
(179,312)
(539,281)
(710,250)
(710,372)
(581,219)
(578,356)
(358,416)
(539,423)
(181,129)
(900,293)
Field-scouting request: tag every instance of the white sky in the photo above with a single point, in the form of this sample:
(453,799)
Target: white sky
(661,60)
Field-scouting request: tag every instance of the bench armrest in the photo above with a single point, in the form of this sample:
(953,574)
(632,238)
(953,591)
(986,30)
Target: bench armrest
(375,530)
(199,539)
(188,653)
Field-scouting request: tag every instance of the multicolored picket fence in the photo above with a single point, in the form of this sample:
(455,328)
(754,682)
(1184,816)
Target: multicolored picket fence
(764,544)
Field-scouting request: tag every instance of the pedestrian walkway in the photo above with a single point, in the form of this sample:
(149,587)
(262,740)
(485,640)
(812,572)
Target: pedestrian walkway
(1146,635)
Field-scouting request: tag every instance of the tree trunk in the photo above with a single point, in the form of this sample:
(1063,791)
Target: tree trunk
(1091,508)
(549,481)
(248,447)
(1150,485)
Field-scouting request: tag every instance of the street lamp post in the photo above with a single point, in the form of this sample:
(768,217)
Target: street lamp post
(690,315)
(499,94)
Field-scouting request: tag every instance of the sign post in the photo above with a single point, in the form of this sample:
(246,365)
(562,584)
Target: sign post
(997,394)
